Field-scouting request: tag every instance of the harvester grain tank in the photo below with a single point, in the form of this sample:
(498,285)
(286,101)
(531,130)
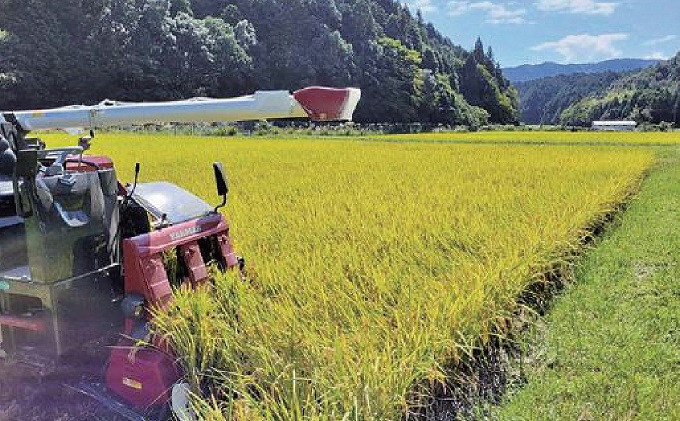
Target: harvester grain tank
(82,255)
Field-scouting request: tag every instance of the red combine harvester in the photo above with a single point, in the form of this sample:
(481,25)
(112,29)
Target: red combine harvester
(82,255)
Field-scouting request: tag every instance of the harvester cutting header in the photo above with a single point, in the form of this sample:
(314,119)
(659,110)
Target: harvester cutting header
(82,255)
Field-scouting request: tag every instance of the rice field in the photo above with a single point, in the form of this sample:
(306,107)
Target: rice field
(371,265)
(543,137)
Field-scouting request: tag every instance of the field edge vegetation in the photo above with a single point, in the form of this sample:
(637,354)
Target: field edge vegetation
(609,347)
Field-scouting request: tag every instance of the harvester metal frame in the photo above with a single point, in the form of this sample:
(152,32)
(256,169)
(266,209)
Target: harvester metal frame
(93,252)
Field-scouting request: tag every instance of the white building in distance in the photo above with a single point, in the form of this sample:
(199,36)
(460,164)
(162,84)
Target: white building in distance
(614,126)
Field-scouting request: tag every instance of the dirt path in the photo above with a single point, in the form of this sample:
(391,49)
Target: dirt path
(28,397)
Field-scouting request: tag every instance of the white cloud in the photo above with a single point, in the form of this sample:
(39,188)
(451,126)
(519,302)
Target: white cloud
(588,7)
(458,8)
(499,13)
(585,47)
(496,13)
(425,6)
(657,55)
(662,40)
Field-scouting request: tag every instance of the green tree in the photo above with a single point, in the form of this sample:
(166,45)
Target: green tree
(393,83)
(79,51)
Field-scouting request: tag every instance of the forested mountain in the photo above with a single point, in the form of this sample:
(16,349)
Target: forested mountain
(528,72)
(542,101)
(82,51)
(651,95)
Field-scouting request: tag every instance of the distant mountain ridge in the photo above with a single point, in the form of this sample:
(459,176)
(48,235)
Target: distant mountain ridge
(527,72)
(651,95)
(542,101)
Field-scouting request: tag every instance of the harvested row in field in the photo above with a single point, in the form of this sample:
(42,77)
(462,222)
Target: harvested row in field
(371,265)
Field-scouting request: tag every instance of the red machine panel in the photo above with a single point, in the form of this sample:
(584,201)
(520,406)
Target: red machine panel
(198,272)
(142,256)
(88,163)
(228,254)
(143,377)
(27,323)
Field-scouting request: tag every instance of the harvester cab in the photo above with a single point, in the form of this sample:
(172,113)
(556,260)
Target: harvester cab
(83,257)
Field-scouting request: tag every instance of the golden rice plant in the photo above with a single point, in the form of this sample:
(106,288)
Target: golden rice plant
(542,137)
(371,265)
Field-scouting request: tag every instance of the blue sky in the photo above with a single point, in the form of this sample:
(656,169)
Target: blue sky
(564,31)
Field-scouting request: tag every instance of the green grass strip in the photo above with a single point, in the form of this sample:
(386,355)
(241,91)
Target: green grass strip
(610,347)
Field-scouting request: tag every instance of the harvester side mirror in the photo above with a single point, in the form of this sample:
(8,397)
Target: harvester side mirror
(27,163)
(221,182)
(221,179)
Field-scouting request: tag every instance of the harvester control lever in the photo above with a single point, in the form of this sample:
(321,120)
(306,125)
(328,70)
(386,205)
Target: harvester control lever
(86,141)
(134,184)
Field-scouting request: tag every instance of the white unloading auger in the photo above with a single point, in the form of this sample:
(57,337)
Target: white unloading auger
(316,103)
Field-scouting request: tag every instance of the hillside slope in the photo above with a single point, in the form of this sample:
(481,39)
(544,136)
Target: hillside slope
(81,51)
(542,101)
(651,95)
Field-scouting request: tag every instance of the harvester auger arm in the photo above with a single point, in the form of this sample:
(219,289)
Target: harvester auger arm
(82,256)
(316,103)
